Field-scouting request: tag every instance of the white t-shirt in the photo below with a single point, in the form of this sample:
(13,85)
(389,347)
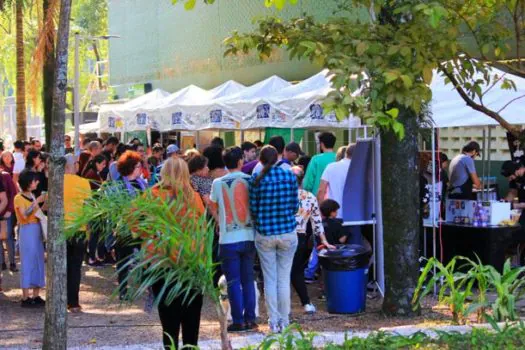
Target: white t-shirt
(20,162)
(283,165)
(335,174)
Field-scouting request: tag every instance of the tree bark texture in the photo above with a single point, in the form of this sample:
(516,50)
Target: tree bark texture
(400,191)
(48,74)
(55,324)
(21,118)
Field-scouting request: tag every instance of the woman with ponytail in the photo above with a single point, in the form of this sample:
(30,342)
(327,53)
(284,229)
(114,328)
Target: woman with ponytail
(273,204)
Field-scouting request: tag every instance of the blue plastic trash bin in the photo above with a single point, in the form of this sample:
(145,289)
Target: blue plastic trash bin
(345,273)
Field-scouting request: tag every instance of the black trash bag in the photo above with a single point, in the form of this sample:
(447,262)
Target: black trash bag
(347,257)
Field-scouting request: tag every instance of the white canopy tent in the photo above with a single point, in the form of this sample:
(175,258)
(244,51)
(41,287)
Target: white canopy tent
(180,111)
(168,113)
(301,104)
(449,109)
(229,112)
(130,115)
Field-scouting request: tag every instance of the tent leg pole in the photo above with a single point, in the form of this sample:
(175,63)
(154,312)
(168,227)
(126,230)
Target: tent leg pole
(380,267)
(242,136)
(291,135)
(197,140)
(433,198)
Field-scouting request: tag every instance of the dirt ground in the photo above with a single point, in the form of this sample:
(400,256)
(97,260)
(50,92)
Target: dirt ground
(104,322)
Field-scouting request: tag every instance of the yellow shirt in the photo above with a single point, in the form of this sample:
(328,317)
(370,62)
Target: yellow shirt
(76,191)
(21,205)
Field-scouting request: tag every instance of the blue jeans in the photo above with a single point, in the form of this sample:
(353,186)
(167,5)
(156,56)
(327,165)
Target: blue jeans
(237,260)
(10,242)
(313,262)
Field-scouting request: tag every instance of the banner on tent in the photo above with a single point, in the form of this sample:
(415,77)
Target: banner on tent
(144,120)
(219,120)
(115,123)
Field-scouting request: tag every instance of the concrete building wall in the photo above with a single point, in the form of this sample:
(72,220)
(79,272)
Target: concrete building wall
(171,48)
(452,141)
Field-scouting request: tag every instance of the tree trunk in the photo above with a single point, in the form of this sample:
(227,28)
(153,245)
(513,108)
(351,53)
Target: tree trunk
(97,57)
(21,119)
(48,73)
(55,324)
(400,215)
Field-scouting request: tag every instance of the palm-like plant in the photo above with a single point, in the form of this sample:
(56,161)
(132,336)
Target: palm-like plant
(176,246)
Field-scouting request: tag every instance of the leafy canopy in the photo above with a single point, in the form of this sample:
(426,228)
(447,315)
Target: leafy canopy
(390,56)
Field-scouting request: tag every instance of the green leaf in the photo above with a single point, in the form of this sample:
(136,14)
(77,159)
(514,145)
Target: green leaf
(485,49)
(392,50)
(341,112)
(189,4)
(361,48)
(427,75)
(309,44)
(390,77)
(399,129)
(405,51)
(394,112)
(407,81)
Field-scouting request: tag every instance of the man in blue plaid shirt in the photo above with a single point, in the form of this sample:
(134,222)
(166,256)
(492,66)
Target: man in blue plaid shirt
(274,202)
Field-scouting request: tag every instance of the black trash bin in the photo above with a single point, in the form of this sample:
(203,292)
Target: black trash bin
(345,271)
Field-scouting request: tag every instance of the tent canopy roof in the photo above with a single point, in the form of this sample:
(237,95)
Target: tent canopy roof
(449,109)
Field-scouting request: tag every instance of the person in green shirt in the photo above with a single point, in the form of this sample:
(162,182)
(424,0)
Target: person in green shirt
(319,162)
(311,183)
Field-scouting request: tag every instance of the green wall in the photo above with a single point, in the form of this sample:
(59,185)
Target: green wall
(171,48)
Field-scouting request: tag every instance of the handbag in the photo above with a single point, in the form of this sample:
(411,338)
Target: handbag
(42,218)
(3,230)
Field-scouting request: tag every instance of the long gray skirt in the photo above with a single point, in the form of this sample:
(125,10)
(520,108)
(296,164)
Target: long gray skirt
(32,268)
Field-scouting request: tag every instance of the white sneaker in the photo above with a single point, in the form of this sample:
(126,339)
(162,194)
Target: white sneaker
(310,309)
(274,328)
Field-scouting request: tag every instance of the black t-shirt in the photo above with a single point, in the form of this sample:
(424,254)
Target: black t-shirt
(109,157)
(519,185)
(2,188)
(333,230)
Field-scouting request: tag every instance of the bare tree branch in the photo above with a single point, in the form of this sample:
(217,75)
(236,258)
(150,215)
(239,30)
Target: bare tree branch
(493,84)
(478,107)
(508,103)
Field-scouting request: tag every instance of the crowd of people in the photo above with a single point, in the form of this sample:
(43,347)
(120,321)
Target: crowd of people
(272,206)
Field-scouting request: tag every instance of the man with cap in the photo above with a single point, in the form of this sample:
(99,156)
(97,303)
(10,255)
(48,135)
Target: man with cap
(172,151)
(463,175)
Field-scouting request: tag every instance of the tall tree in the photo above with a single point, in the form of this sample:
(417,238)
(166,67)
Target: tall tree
(391,54)
(21,116)
(55,325)
(48,69)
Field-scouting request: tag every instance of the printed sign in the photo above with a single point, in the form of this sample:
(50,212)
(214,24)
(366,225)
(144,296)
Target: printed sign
(316,112)
(216,116)
(176,118)
(142,118)
(263,111)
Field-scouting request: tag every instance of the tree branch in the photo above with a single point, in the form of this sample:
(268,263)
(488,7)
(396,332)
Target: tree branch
(476,106)
(508,103)
(493,84)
